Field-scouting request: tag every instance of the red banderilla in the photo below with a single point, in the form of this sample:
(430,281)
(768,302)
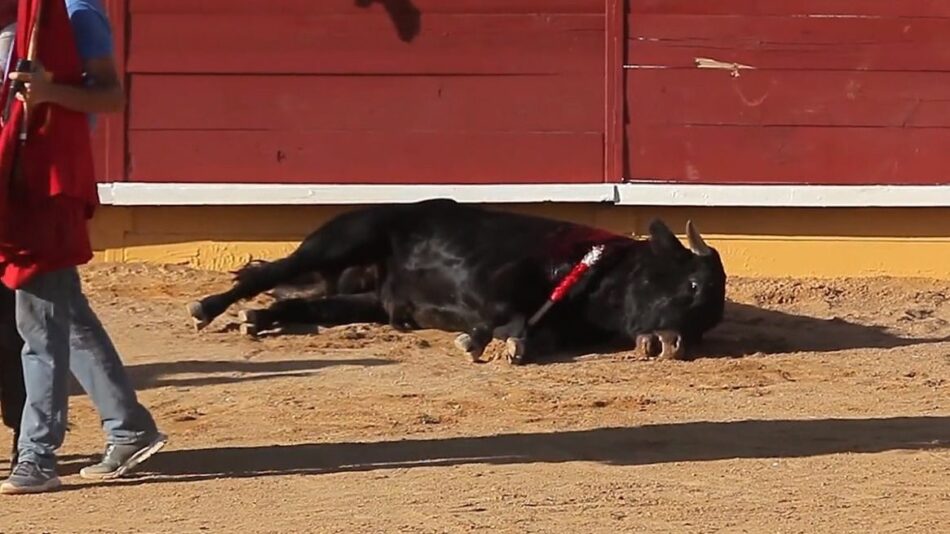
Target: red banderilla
(568,282)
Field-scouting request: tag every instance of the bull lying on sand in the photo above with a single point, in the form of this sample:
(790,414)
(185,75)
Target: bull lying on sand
(454,267)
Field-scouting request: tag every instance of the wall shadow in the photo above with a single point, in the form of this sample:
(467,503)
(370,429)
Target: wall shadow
(406,17)
(644,445)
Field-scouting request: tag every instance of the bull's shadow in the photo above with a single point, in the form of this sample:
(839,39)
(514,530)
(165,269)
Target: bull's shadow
(644,445)
(749,330)
(405,16)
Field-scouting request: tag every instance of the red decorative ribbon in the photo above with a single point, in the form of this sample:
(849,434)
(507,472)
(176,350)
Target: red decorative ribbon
(569,281)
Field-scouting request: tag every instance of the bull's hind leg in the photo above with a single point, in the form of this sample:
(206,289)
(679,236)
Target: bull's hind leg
(326,311)
(352,239)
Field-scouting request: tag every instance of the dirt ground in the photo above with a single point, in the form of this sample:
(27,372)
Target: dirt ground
(823,406)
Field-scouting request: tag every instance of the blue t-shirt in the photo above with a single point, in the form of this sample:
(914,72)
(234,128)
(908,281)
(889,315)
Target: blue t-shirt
(93,33)
(91,28)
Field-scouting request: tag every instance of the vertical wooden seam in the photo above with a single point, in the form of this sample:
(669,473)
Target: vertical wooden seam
(614,86)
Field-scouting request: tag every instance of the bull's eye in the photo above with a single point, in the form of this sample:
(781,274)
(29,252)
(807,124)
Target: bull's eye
(693,286)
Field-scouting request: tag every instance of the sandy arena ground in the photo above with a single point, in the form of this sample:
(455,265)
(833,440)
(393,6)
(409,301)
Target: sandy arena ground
(826,408)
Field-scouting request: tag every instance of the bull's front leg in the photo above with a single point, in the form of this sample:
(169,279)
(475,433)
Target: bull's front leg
(662,345)
(513,332)
(474,342)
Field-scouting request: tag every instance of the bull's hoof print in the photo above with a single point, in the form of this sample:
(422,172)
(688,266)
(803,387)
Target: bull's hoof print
(515,350)
(198,318)
(248,324)
(465,344)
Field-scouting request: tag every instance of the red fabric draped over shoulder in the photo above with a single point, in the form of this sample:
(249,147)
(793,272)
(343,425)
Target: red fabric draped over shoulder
(44,210)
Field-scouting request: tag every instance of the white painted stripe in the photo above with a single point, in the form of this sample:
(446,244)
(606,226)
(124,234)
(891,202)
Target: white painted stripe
(141,194)
(818,196)
(635,194)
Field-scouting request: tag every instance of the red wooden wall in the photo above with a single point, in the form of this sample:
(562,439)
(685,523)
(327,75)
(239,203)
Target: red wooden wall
(843,91)
(519,91)
(291,91)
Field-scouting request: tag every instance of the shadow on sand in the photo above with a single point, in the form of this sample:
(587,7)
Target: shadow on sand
(644,445)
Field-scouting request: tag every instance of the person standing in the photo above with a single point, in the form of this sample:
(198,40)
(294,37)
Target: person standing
(45,238)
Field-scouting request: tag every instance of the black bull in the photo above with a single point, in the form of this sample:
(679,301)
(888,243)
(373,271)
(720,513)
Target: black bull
(460,268)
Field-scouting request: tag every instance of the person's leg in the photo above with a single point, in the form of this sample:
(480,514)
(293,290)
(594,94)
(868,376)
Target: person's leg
(43,320)
(132,436)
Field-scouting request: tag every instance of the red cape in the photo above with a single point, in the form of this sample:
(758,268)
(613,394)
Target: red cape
(44,213)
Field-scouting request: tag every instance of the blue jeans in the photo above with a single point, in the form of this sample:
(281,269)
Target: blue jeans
(61,333)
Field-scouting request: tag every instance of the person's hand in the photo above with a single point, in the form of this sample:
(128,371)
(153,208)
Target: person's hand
(37,88)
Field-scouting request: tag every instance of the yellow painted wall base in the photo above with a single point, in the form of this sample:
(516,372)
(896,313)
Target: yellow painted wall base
(758,242)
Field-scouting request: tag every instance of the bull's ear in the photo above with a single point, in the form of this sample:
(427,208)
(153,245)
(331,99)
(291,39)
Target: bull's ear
(662,240)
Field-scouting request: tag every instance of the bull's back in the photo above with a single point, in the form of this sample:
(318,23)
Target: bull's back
(503,236)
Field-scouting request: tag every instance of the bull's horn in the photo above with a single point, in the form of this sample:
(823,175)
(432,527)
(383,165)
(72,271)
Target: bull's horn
(696,243)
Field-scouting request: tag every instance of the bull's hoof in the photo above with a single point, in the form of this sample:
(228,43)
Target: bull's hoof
(248,326)
(515,350)
(661,345)
(648,346)
(198,317)
(248,330)
(466,344)
(672,346)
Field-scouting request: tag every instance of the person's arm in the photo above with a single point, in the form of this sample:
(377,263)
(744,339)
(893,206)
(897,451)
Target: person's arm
(103,95)
(102,92)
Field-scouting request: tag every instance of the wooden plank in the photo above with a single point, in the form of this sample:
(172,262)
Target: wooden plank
(365,157)
(425,7)
(804,43)
(614,91)
(799,98)
(381,103)
(280,43)
(108,139)
(747,30)
(804,155)
(890,57)
(901,8)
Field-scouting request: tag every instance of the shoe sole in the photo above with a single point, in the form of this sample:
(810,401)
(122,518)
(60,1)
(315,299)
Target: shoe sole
(10,489)
(136,460)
